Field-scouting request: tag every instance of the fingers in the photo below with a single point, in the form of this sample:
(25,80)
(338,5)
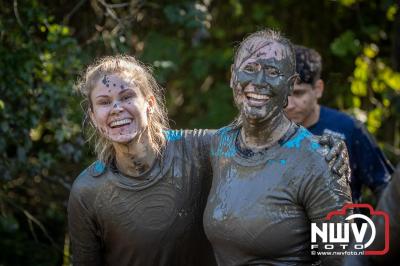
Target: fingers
(336,149)
(326,140)
(340,160)
(343,169)
(337,156)
(341,165)
(335,146)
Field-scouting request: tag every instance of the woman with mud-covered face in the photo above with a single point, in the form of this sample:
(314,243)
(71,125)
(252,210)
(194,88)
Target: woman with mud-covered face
(270,180)
(141,203)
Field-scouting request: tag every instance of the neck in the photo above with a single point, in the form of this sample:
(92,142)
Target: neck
(257,136)
(313,118)
(136,157)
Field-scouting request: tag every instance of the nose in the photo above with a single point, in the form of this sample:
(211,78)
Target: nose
(260,78)
(291,104)
(116,108)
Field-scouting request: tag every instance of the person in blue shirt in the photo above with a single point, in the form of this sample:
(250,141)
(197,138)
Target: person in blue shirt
(368,164)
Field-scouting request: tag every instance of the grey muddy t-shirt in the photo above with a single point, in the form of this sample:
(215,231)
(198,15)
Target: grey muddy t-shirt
(261,205)
(154,220)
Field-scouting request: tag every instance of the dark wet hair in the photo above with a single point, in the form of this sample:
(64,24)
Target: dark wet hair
(308,64)
(271,35)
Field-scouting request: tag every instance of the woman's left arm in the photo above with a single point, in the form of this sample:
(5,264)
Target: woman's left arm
(324,192)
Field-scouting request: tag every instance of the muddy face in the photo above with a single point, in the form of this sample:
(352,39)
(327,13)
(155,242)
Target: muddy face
(261,79)
(119,109)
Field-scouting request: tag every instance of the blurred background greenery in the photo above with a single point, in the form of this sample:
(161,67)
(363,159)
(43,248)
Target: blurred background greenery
(189,44)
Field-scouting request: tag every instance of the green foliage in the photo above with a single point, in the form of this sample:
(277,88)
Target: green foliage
(346,44)
(375,84)
(40,134)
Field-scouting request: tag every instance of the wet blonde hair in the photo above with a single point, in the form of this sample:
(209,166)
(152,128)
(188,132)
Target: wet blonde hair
(128,67)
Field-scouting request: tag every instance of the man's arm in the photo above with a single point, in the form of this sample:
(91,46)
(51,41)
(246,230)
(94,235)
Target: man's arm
(373,168)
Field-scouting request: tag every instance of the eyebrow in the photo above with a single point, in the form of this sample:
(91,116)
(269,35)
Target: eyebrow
(125,90)
(121,92)
(100,96)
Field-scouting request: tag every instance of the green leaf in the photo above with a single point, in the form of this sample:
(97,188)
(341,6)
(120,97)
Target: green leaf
(345,44)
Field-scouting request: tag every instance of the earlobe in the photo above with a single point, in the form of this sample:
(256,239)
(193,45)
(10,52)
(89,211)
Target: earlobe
(151,101)
(292,80)
(319,88)
(233,76)
(150,104)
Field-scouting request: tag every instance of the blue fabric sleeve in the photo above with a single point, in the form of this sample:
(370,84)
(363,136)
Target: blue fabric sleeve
(371,167)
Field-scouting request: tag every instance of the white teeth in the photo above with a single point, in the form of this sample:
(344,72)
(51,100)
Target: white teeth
(257,96)
(120,122)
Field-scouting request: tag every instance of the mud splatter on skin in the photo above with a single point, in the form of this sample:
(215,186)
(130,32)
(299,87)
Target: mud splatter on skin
(140,167)
(251,50)
(263,125)
(135,157)
(106,81)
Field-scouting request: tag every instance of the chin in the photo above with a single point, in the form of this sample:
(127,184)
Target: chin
(256,117)
(123,139)
(253,113)
(297,121)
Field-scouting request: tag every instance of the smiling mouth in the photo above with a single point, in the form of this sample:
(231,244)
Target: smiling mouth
(256,99)
(119,123)
(256,96)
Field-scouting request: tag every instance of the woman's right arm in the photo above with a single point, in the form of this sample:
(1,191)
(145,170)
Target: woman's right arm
(83,229)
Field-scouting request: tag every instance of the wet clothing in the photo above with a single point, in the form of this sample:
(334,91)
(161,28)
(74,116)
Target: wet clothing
(154,219)
(261,204)
(389,203)
(368,164)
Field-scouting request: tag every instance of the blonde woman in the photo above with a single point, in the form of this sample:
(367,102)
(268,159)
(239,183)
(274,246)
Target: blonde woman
(141,203)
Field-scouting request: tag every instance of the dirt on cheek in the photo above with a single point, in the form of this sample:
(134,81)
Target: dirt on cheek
(239,96)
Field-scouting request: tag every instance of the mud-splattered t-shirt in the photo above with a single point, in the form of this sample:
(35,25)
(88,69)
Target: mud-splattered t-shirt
(155,219)
(261,204)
